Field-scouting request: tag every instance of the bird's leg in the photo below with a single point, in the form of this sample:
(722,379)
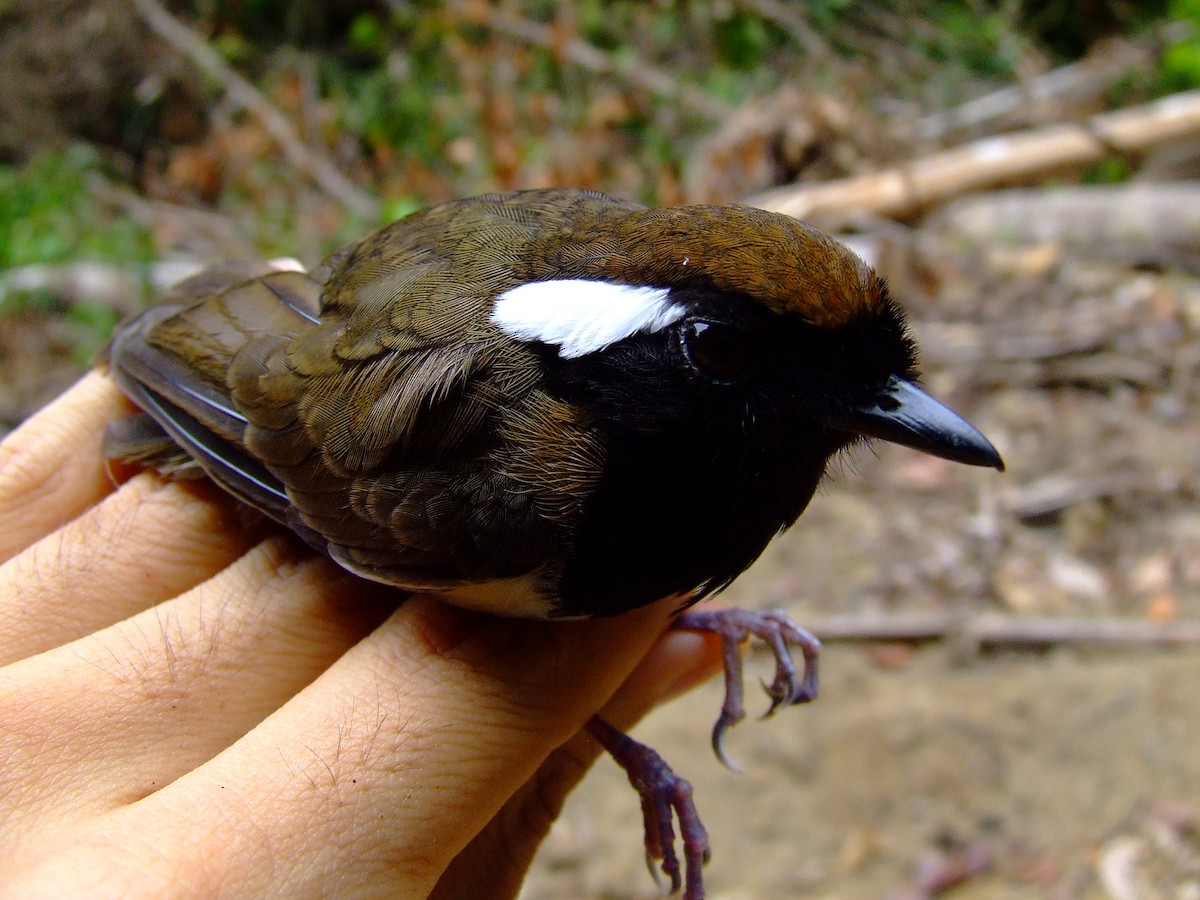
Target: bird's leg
(665,796)
(780,634)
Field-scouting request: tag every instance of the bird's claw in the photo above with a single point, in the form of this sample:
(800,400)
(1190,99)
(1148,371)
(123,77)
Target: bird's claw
(722,726)
(780,691)
(665,797)
(780,634)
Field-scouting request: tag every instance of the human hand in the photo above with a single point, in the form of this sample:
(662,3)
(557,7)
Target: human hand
(193,703)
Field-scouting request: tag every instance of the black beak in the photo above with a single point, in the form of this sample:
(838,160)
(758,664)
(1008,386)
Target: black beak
(904,414)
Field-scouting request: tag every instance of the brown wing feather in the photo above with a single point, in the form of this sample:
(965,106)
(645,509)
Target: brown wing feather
(372,405)
(172,361)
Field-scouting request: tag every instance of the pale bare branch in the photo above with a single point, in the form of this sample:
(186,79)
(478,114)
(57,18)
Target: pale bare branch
(925,181)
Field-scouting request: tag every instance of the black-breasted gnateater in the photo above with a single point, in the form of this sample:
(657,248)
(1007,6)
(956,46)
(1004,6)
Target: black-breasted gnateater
(549,403)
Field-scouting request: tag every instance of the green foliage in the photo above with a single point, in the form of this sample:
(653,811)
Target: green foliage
(398,209)
(1184,10)
(1110,171)
(977,40)
(232,46)
(92,325)
(39,300)
(1180,63)
(824,13)
(367,34)
(389,95)
(601,26)
(743,40)
(47,215)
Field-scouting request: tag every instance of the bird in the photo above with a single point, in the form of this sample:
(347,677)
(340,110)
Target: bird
(548,403)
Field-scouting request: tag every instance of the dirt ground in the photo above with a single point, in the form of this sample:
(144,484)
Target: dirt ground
(1070,772)
(1068,775)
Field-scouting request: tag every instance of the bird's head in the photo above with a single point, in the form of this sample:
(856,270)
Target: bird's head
(730,321)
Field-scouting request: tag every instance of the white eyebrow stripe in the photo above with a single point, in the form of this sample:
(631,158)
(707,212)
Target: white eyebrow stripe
(581,316)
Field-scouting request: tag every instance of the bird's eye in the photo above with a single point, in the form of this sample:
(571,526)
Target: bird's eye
(715,349)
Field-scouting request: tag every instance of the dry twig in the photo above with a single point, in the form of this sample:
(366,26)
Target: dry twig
(207,233)
(1057,491)
(306,159)
(1005,631)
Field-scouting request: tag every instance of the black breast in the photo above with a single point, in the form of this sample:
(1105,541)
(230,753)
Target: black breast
(677,513)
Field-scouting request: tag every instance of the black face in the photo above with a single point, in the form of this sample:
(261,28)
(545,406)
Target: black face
(719,435)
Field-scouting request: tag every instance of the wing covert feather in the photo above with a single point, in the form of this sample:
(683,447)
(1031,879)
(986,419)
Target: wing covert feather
(371,405)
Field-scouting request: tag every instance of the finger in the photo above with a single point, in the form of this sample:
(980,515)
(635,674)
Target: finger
(51,468)
(148,542)
(504,850)
(113,717)
(381,771)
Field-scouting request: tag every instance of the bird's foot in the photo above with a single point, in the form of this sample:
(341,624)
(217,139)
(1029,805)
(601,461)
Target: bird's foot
(665,796)
(780,634)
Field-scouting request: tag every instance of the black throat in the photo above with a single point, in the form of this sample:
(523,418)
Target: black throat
(679,513)
(702,472)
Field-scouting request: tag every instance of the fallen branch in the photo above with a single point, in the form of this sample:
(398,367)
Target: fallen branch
(207,234)
(1057,491)
(1072,84)
(122,288)
(1005,631)
(307,160)
(1133,222)
(923,182)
